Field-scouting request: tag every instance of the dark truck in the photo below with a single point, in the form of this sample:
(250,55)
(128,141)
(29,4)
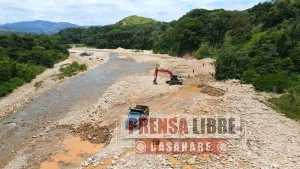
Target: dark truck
(136,115)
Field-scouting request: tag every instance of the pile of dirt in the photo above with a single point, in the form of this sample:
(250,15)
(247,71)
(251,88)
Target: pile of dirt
(87,54)
(94,133)
(212,91)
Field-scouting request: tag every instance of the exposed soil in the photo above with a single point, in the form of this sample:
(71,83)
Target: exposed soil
(270,140)
(94,133)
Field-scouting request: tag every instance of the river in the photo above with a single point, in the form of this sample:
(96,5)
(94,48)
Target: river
(48,108)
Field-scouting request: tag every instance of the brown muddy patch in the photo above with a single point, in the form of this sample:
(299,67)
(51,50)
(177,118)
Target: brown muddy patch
(173,160)
(187,167)
(74,151)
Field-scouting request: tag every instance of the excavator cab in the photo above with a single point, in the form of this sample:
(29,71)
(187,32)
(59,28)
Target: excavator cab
(175,79)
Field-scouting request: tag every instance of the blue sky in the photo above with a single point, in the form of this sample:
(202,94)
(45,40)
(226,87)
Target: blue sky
(103,12)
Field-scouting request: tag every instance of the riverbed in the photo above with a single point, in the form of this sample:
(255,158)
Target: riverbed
(17,128)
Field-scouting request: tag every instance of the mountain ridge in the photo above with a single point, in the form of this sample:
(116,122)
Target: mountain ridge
(39,26)
(7,31)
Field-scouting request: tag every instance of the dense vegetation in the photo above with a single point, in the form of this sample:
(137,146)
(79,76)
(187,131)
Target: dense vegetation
(136,20)
(71,70)
(22,58)
(289,103)
(132,33)
(259,45)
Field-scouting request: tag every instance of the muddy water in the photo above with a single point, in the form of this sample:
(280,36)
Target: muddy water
(88,88)
(72,152)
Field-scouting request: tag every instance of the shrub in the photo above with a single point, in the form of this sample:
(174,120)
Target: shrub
(37,85)
(231,63)
(72,69)
(249,76)
(16,82)
(8,87)
(3,91)
(272,82)
(204,51)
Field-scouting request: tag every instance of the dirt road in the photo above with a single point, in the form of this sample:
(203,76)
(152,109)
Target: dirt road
(86,138)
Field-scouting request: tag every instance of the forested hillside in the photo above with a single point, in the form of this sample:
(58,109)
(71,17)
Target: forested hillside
(133,32)
(22,58)
(259,45)
(136,20)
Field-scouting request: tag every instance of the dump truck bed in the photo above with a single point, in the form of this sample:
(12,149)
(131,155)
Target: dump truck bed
(141,108)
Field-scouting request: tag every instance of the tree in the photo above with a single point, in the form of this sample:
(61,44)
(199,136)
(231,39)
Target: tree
(249,76)
(5,71)
(284,44)
(272,82)
(259,11)
(188,32)
(240,30)
(267,50)
(231,63)
(295,57)
(3,55)
(278,13)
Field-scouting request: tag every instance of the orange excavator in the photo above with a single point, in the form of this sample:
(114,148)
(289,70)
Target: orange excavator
(174,79)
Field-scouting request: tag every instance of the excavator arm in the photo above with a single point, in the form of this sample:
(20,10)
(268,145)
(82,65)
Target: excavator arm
(161,70)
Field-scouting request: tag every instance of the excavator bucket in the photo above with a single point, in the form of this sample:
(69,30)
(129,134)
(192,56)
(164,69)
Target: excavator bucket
(155,82)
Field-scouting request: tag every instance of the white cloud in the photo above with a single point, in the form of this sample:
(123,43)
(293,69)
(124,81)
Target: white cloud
(102,12)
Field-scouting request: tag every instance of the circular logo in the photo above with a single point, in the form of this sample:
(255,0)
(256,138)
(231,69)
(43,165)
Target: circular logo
(223,147)
(140,147)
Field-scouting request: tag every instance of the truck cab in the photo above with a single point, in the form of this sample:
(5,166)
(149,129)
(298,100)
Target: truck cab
(136,115)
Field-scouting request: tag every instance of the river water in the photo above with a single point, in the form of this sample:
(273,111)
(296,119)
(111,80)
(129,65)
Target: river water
(17,128)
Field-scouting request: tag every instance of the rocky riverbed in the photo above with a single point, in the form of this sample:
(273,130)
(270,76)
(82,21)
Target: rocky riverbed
(269,139)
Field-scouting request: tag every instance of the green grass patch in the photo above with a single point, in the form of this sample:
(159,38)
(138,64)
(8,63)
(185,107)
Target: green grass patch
(254,40)
(289,103)
(71,70)
(248,46)
(215,56)
(37,85)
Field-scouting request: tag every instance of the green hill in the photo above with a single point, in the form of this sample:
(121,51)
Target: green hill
(136,20)
(132,32)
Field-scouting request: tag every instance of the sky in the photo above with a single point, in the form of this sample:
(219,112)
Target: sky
(104,12)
